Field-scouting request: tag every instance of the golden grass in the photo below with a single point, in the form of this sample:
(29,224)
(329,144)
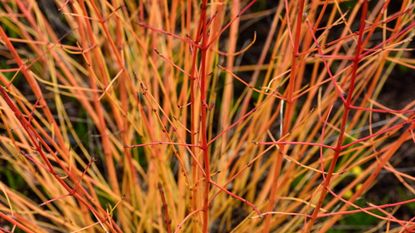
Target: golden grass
(149,116)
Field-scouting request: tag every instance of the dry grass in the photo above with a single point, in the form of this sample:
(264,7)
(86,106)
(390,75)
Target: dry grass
(156,116)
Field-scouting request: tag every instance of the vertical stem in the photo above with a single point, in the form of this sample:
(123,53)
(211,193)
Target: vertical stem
(101,124)
(201,35)
(165,209)
(347,107)
(203,132)
(288,114)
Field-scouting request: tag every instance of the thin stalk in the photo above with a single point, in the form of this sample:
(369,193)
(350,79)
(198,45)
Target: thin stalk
(165,209)
(12,220)
(347,104)
(195,172)
(203,131)
(201,35)
(288,115)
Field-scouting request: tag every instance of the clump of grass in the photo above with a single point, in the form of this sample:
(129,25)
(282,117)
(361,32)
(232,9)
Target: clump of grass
(164,116)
